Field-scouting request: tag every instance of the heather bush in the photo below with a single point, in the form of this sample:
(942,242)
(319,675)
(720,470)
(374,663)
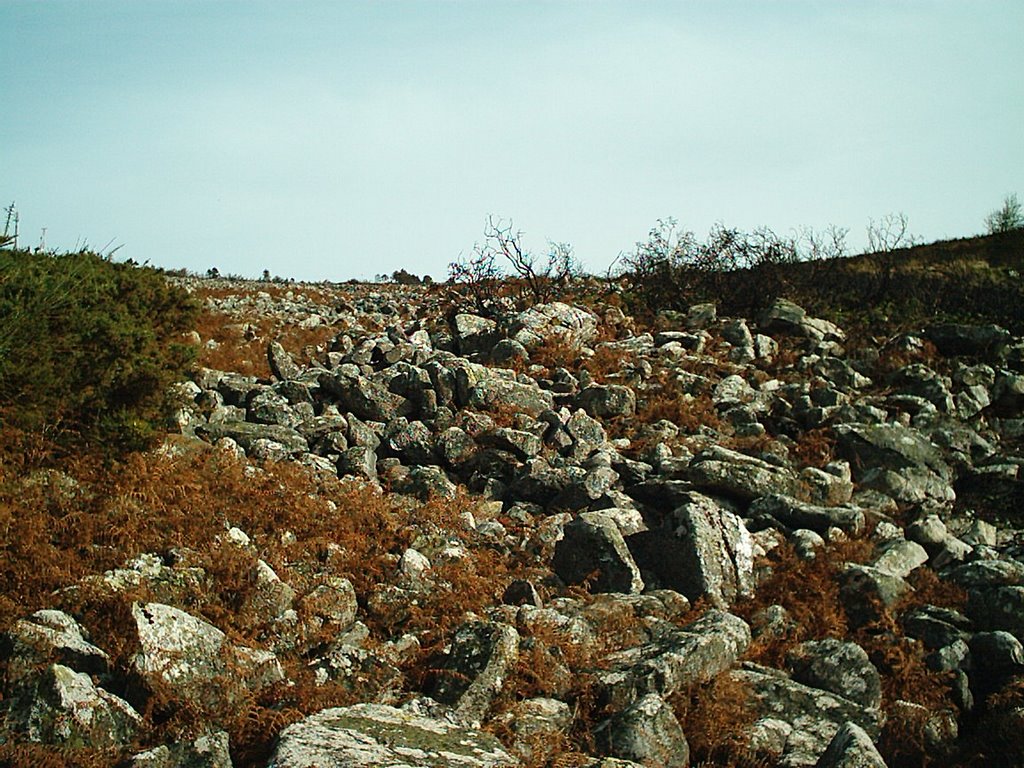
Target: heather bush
(742,271)
(89,347)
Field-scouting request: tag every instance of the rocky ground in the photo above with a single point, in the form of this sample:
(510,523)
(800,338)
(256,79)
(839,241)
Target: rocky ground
(717,540)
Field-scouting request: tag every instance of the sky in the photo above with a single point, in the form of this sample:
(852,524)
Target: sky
(338,140)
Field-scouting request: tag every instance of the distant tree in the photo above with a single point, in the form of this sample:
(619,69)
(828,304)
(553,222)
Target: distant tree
(402,277)
(213,272)
(266,275)
(1007,218)
(890,233)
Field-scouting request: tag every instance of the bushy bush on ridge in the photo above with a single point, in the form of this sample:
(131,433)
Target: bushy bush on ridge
(89,347)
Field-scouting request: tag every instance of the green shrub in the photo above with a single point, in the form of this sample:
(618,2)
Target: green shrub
(88,347)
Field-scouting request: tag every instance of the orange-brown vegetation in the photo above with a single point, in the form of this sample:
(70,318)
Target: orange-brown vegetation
(241,345)
(60,527)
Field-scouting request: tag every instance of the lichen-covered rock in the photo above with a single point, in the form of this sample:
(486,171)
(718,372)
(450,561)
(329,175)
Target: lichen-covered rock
(607,401)
(359,461)
(193,658)
(364,397)
(851,747)
(786,317)
(282,364)
(554,321)
(954,340)
(721,470)
(708,553)
(899,557)
(814,715)
(481,656)
(864,590)
(209,750)
(837,666)
(332,603)
(998,608)
(523,445)
(411,441)
(246,434)
(695,653)
(265,406)
(379,736)
(798,514)
(49,636)
(496,393)
(647,733)
(535,725)
(896,460)
(62,707)
(473,333)
(593,551)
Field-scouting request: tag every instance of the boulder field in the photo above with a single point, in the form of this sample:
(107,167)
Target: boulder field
(655,482)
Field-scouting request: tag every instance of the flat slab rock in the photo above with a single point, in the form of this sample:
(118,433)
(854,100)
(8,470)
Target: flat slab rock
(379,736)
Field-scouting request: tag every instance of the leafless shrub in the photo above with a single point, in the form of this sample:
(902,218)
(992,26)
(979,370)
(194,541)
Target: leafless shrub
(829,243)
(533,282)
(890,233)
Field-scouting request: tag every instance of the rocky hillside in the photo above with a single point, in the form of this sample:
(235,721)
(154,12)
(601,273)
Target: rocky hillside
(387,532)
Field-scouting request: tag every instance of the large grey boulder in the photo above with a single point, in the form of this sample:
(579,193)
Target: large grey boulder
(728,472)
(708,553)
(889,445)
(364,397)
(282,364)
(555,321)
(837,666)
(695,653)
(209,750)
(411,441)
(851,747)
(592,551)
(481,658)
(49,636)
(997,657)
(62,707)
(194,660)
(896,460)
(798,514)
(788,318)
(473,333)
(331,604)
(865,590)
(998,608)
(266,406)
(899,557)
(246,434)
(814,716)
(954,340)
(379,736)
(495,393)
(606,401)
(647,733)
(536,725)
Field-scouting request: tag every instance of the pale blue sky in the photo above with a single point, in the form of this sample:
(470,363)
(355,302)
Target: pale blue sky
(329,140)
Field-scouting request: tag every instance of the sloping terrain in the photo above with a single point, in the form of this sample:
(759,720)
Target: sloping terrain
(385,530)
